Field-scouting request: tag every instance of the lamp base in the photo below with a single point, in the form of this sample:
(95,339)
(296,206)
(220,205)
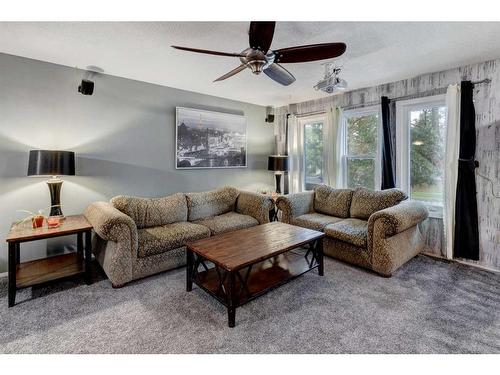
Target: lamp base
(278,182)
(55,185)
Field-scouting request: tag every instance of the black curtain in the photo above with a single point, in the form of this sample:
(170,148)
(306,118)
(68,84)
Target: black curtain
(388,165)
(286,180)
(466,222)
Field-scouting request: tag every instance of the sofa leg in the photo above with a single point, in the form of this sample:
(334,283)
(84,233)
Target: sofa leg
(117,286)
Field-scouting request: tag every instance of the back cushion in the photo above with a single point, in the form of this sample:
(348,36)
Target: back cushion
(334,202)
(152,212)
(211,203)
(365,202)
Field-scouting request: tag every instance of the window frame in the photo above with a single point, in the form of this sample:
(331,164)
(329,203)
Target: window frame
(303,121)
(403,145)
(359,112)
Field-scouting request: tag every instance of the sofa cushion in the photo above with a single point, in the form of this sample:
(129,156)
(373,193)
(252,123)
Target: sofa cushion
(315,221)
(152,212)
(353,231)
(365,202)
(228,222)
(157,240)
(334,202)
(211,203)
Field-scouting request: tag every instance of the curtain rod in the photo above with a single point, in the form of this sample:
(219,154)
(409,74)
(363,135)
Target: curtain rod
(486,80)
(310,113)
(437,91)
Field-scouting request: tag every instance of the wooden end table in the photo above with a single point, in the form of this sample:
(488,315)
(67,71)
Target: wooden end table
(250,262)
(26,274)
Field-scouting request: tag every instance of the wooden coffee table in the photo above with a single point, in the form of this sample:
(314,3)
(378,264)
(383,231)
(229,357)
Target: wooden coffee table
(249,262)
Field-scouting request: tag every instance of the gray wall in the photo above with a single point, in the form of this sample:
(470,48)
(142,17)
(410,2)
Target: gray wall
(123,135)
(487,105)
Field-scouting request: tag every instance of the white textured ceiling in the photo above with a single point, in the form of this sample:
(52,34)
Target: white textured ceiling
(377,52)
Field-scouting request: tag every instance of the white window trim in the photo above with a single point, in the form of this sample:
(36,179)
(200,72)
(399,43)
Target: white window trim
(403,143)
(378,156)
(303,121)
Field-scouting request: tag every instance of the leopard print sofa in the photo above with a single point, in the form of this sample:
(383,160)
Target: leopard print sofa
(378,230)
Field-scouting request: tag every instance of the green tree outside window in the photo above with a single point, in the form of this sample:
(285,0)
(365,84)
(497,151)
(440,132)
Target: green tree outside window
(313,154)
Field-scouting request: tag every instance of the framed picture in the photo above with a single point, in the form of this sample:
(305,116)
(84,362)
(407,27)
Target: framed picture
(206,139)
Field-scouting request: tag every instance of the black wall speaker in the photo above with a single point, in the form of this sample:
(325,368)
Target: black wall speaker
(86,87)
(270,118)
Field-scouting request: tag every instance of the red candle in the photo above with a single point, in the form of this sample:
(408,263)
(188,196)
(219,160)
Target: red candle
(37,221)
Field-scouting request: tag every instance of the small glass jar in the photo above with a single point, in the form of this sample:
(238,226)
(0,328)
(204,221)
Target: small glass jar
(53,221)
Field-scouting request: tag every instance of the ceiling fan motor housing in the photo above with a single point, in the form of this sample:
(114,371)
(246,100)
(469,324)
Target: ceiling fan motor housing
(255,60)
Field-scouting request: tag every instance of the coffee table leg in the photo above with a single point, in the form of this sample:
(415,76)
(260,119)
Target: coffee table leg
(12,272)
(231,309)
(189,270)
(319,256)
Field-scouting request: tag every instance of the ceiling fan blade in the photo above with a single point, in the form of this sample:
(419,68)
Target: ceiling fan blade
(279,74)
(261,34)
(310,52)
(231,73)
(209,52)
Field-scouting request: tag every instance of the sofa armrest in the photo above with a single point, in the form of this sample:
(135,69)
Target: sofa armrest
(112,225)
(397,219)
(394,236)
(255,205)
(293,205)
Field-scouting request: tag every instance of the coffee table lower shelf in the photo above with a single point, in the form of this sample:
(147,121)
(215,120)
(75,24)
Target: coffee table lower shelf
(236,288)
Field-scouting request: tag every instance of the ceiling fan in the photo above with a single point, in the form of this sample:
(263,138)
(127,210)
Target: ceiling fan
(259,58)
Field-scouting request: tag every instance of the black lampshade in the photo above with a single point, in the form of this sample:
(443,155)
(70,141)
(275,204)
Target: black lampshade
(277,163)
(51,163)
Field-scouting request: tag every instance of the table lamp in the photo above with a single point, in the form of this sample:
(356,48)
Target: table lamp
(52,163)
(278,164)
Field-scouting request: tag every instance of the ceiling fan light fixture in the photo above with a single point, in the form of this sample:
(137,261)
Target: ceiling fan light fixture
(256,66)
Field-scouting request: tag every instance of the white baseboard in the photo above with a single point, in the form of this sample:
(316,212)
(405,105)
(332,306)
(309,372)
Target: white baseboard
(432,255)
(440,257)
(3,274)
(486,268)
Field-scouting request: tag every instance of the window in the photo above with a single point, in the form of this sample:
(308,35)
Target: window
(313,153)
(421,145)
(361,149)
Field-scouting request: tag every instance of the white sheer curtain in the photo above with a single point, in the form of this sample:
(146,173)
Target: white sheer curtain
(451,165)
(280,131)
(337,156)
(295,154)
(332,147)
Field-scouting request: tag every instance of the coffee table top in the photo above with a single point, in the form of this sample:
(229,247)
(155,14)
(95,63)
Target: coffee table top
(240,248)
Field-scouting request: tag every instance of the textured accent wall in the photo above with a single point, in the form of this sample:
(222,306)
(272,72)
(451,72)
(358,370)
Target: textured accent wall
(487,103)
(123,136)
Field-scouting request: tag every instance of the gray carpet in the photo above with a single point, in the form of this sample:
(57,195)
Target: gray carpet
(428,306)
